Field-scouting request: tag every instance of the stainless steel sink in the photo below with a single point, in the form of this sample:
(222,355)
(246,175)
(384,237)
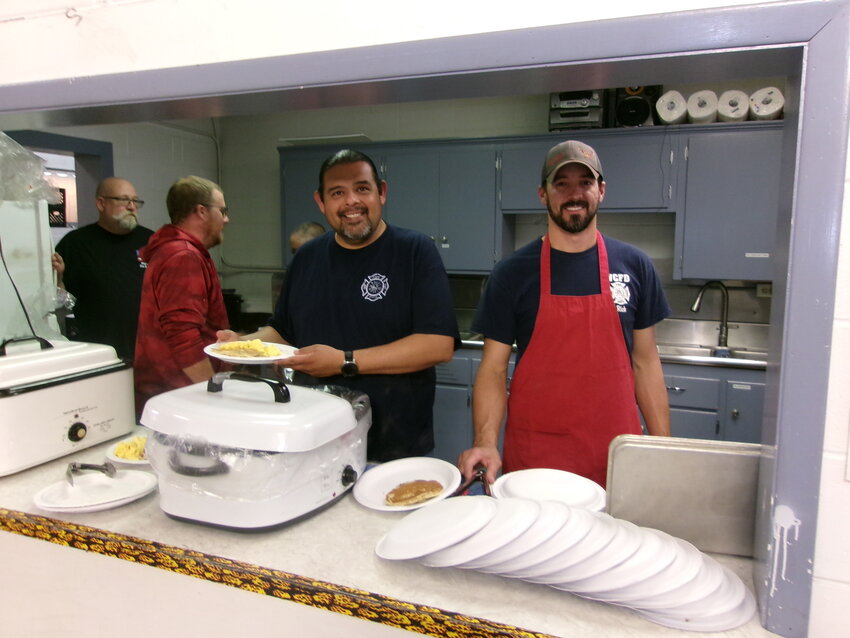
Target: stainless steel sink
(684,351)
(752,355)
(703,351)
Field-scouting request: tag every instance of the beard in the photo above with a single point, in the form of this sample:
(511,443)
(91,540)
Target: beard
(127,222)
(572,222)
(357,234)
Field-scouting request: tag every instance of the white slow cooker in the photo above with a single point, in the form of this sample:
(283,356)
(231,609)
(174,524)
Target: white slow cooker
(245,452)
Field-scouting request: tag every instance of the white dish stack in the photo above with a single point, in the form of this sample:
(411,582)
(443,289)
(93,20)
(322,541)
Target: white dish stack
(588,553)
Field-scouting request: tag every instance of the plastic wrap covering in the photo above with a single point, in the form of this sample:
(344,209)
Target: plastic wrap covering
(244,488)
(27,286)
(22,174)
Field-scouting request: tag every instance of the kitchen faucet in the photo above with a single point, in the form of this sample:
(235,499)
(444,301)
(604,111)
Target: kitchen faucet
(722,342)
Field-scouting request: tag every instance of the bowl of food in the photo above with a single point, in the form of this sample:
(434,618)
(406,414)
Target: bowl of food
(129,451)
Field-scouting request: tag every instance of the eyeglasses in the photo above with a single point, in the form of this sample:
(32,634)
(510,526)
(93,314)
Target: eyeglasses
(224,209)
(126,200)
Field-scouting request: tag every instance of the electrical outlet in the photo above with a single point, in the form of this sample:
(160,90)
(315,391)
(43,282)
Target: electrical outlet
(764,290)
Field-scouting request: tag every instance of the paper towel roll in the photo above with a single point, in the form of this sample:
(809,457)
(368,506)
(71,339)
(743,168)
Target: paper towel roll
(672,108)
(766,103)
(702,107)
(733,106)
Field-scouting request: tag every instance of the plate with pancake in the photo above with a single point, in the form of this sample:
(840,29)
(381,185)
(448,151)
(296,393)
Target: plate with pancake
(406,484)
(250,352)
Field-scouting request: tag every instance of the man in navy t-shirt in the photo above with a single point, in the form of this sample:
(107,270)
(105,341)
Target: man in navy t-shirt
(581,309)
(369,307)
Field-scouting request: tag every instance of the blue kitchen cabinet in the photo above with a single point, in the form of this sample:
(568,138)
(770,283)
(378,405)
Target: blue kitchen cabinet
(448,192)
(694,405)
(742,417)
(731,202)
(299,180)
(715,402)
(638,164)
(452,409)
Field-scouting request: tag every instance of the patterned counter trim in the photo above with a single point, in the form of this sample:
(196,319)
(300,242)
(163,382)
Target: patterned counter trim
(420,619)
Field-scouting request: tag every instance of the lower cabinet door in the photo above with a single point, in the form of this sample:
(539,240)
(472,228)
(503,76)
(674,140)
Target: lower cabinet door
(744,407)
(694,424)
(452,430)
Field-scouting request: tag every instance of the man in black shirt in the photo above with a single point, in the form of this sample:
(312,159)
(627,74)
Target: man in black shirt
(99,264)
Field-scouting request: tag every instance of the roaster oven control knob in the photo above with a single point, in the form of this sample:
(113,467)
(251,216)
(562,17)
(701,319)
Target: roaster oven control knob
(349,475)
(77,431)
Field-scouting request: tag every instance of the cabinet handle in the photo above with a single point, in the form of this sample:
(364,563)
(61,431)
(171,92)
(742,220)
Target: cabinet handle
(735,413)
(675,388)
(444,240)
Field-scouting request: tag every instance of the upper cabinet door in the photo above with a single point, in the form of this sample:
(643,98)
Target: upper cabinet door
(412,176)
(467,240)
(638,166)
(731,204)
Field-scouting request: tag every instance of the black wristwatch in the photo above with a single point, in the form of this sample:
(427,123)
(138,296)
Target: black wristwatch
(349,367)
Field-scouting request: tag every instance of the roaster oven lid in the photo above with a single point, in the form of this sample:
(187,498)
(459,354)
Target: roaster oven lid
(246,415)
(28,362)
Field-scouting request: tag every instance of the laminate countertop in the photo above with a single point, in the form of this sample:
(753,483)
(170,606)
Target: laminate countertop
(326,560)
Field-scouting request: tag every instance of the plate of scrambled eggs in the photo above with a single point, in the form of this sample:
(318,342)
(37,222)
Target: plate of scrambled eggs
(253,351)
(129,451)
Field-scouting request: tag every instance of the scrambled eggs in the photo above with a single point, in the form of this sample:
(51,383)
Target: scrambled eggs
(253,348)
(132,449)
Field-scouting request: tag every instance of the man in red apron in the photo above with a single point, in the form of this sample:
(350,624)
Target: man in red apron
(581,309)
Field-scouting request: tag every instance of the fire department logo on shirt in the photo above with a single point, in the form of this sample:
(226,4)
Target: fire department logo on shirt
(375,287)
(620,290)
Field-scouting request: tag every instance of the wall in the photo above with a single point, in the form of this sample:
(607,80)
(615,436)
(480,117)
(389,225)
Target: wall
(127,33)
(831,583)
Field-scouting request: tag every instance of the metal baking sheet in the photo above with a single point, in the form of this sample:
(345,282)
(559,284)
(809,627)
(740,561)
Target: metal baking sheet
(699,490)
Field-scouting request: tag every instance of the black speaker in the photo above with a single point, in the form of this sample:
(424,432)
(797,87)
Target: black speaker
(634,105)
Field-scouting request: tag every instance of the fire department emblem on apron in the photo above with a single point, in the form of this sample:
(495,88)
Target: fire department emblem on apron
(375,287)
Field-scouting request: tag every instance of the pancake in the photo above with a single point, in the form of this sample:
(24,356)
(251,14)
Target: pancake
(413,492)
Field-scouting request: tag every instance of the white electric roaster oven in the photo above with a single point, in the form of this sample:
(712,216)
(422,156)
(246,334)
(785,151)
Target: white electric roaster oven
(58,397)
(245,452)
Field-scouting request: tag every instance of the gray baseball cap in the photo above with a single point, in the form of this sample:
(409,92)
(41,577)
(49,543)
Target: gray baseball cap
(567,153)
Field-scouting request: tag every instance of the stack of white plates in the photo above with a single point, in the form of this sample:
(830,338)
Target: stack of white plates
(664,579)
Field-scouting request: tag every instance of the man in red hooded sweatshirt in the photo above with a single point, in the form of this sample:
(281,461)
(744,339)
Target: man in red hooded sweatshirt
(182,306)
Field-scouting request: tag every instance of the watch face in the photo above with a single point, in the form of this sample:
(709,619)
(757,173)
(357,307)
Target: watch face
(349,369)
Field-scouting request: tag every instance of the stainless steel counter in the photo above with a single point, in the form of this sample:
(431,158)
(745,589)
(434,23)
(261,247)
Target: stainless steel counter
(688,355)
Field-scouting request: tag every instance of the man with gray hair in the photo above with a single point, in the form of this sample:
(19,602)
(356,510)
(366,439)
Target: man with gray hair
(99,264)
(182,305)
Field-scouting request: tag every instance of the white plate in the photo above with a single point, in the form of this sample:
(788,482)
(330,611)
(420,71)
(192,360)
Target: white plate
(653,555)
(626,541)
(687,566)
(601,533)
(552,517)
(429,529)
(285,351)
(110,454)
(95,491)
(371,489)
(536,561)
(513,516)
(723,621)
(544,484)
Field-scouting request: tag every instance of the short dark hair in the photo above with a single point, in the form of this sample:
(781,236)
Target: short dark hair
(186,193)
(345,156)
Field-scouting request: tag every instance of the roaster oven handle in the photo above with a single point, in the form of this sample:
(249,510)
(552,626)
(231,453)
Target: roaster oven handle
(45,344)
(281,392)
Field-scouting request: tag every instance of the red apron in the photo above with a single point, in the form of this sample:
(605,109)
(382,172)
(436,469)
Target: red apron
(573,390)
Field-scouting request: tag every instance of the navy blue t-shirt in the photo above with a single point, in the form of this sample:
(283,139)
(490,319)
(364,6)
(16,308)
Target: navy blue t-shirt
(508,309)
(352,299)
